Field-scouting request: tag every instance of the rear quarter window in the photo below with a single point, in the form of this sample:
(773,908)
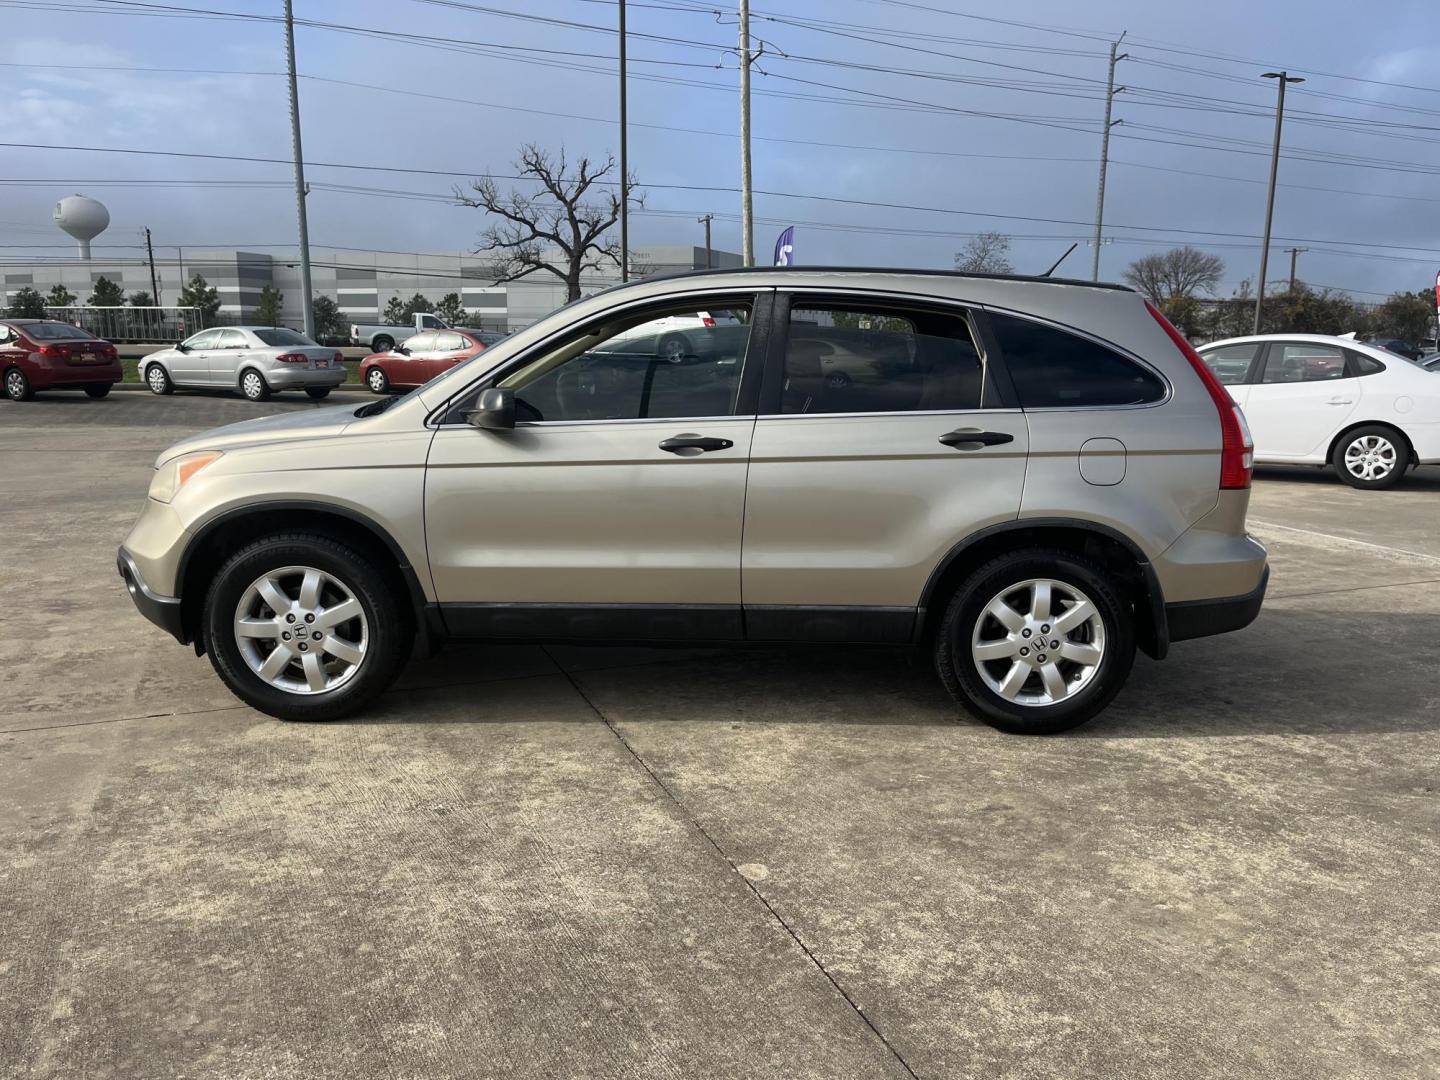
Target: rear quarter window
(1055,369)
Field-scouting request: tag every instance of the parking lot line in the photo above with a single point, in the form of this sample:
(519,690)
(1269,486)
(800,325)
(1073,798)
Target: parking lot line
(1332,540)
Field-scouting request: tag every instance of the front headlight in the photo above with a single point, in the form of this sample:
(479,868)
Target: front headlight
(174,474)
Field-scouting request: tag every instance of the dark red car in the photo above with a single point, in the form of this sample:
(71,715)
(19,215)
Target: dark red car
(37,354)
(420,358)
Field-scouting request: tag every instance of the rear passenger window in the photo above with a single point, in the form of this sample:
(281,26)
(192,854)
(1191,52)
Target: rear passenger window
(1303,362)
(848,359)
(1055,369)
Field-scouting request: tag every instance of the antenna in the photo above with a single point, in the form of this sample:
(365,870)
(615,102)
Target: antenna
(1055,265)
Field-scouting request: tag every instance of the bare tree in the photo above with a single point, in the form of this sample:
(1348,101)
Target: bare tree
(986,253)
(1177,274)
(558,230)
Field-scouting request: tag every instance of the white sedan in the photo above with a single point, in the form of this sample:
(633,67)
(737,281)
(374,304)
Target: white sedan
(1316,400)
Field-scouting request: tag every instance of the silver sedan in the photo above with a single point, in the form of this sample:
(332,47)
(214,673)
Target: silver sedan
(256,360)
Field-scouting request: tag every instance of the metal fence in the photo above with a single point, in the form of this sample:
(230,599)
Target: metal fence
(131,324)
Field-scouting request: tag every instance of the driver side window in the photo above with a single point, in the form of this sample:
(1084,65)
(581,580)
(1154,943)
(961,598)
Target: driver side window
(203,340)
(678,363)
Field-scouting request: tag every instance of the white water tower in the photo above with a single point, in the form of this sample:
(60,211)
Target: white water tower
(83,218)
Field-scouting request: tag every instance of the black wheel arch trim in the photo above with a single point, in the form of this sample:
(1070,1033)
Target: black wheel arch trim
(429,627)
(1154,640)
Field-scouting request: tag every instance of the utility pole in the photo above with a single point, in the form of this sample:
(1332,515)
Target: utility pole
(624,164)
(1293,253)
(1110,91)
(1283,77)
(154,282)
(307,305)
(706,222)
(747,218)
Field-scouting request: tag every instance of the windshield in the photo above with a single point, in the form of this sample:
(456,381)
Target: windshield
(278,335)
(55,331)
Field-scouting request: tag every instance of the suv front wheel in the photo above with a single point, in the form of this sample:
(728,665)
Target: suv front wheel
(304,627)
(1036,642)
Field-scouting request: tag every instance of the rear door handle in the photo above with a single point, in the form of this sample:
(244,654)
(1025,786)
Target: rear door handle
(1342,401)
(687,441)
(974,438)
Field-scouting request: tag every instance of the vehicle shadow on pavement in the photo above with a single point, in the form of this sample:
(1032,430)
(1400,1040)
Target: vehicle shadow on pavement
(1424,478)
(1295,672)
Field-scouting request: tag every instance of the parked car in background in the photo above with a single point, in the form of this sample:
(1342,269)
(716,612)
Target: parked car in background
(40,354)
(422,357)
(1316,400)
(256,360)
(1049,480)
(1396,346)
(382,337)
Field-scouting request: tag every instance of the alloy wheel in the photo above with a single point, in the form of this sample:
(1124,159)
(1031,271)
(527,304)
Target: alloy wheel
(301,630)
(1371,457)
(1038,642)
(15,385)
(377,381)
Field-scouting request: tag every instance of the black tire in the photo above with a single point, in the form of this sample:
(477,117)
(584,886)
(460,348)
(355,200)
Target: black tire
(383,343)
(389,626)
(377,381)
(961,673)
(158,380)
(254,386)
(17,385)
(1371,438)
(98,390)
(317,393)
(837,380)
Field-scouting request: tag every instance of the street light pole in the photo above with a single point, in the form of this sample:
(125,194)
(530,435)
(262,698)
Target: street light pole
(307,306)
(1283,77)
(624,163)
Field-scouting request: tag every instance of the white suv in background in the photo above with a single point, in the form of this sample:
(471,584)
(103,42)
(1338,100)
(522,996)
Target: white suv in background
(1316,400)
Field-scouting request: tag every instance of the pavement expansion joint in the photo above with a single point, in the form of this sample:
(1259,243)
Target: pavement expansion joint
(749,878)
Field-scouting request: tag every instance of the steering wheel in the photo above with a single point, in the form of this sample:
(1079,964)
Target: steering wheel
(577,392)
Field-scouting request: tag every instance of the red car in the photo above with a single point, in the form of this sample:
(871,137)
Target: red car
(420,358)
(37,354)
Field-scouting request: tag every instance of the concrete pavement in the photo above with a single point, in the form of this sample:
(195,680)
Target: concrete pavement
(774,863)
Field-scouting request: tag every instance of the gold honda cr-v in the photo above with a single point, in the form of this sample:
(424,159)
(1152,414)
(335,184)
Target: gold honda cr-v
(1030,478)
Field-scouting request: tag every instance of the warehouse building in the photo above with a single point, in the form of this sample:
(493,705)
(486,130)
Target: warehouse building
(361,283)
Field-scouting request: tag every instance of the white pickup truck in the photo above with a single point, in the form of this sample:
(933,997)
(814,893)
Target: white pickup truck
(382,338)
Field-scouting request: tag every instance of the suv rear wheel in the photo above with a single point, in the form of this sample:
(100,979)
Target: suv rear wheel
(1036,642)
(303,627)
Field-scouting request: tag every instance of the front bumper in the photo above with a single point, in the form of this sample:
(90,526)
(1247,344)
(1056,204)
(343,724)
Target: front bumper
(163,611)
(287,377)
(1203,618)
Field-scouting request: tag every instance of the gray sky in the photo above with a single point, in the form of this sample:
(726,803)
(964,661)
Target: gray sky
(1359,172)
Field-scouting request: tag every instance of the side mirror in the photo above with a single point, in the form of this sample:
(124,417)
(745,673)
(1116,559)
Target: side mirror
(402,350)
(495,410)
(180,346)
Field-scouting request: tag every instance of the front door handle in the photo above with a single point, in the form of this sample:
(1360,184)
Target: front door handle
(687,441)
(1342,401)
(974,438)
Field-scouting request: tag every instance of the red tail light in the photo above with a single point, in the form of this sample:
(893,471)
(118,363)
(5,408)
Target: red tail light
(337,359)
(293,358)
(55,352)
(707,320)
(1237,449)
